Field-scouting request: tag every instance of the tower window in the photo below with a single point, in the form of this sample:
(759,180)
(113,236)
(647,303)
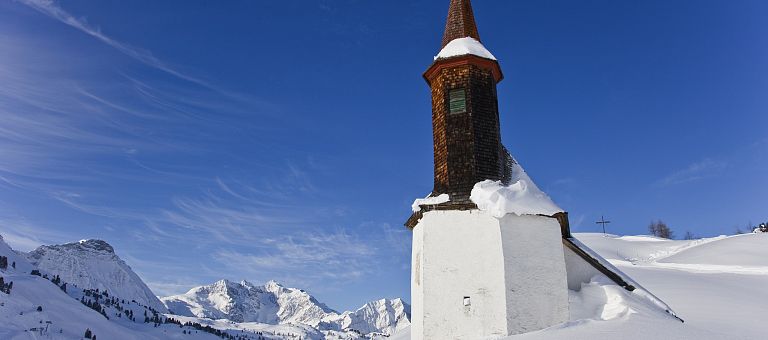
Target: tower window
(457,101)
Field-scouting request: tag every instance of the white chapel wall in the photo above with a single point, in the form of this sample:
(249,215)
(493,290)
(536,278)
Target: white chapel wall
(458,276)
(537,288)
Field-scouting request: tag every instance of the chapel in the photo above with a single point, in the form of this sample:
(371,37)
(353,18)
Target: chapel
(492,254)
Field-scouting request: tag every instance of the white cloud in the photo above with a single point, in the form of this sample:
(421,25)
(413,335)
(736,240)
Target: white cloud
(51,9)
(706,168)
(22,235)
(308,258)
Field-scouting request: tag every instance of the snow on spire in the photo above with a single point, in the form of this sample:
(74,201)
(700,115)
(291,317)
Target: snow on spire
(461,36)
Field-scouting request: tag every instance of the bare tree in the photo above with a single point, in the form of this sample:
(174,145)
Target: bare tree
(660,229)
(689,236)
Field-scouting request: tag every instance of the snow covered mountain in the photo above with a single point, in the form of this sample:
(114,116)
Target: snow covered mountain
(59,315)
(37,305)
(246,302)
(380,316)
(276,304)
(93,264)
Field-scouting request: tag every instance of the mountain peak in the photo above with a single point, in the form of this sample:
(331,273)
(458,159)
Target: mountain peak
(222,282)
(98,245)
(247,284)
(93,264)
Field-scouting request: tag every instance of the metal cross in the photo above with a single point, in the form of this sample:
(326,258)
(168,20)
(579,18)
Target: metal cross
(603,222)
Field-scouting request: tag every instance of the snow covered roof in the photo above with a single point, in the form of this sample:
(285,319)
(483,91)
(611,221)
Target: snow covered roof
(520,197)
(416,206)
(464,46)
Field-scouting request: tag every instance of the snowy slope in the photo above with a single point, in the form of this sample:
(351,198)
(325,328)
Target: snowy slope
(641,248)
(717,285)
(740,250)
(93,264)
(275,304)
(21,262)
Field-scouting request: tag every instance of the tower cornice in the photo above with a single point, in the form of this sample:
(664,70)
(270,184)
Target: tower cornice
(469,59)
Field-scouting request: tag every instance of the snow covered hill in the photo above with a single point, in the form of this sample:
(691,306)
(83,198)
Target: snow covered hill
(93,264)
(275,304)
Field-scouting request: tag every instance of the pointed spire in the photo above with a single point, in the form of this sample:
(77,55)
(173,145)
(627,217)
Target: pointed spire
(461,22)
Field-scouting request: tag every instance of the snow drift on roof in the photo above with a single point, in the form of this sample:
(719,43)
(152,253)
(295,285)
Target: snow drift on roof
(464,46)
(520,197)
(416,206)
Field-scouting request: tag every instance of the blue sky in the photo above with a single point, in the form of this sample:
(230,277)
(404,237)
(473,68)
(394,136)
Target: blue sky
(287,139)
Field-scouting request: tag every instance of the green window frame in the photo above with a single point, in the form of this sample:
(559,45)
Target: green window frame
(457,101)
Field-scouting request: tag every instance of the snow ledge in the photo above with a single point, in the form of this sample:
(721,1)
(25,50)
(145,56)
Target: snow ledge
(416,206)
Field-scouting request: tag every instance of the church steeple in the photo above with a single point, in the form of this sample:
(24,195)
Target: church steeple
(465,113)
(460,23)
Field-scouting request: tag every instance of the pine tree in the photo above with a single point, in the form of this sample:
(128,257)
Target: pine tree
(87,333)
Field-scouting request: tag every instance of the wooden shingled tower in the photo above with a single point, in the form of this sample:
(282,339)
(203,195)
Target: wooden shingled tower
(465,114)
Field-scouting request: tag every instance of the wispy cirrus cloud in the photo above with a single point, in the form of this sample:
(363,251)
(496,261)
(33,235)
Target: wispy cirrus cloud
(146,161)
(703,169)
(304,258)
(25,235)
(51,9)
